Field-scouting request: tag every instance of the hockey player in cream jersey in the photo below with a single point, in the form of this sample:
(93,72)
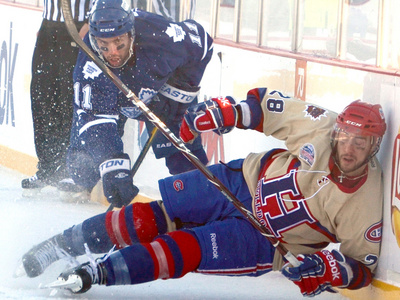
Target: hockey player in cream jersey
(324,188)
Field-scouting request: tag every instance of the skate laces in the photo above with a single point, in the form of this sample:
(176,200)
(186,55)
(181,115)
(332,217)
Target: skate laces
(96,273)
(49,253)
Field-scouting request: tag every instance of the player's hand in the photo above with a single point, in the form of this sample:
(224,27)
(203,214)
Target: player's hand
(319,272)
(117,180)
(217,114)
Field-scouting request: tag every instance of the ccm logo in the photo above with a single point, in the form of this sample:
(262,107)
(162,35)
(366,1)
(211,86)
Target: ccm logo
(107,30)
(353,123)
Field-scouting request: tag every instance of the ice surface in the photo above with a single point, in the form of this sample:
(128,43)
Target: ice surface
(25,222)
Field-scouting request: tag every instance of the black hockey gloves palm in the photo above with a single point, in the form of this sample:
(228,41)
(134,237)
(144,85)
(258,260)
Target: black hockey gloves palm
(117,180)
(217,114)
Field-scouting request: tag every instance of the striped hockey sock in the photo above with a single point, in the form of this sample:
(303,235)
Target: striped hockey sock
(169,256)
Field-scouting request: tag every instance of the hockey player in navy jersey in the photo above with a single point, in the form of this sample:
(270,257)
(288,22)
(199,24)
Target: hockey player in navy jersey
(162,62)
(325,187)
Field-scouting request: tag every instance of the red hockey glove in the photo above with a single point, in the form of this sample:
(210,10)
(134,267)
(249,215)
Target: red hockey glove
(319,272)
(217,114)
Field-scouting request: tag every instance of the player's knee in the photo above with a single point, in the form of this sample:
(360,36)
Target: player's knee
(138,222)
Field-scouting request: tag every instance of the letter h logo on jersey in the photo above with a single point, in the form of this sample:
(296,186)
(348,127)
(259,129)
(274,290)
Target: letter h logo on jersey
(276,213)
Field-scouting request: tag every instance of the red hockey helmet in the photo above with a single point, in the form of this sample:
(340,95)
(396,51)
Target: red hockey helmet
(362,118)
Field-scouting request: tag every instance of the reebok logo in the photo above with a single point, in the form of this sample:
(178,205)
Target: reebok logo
(214,245)
(333,265)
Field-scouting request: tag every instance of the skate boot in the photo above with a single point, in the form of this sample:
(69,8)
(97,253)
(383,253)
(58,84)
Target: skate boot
(32,186)
(71,192)
(80,279)
(36,260)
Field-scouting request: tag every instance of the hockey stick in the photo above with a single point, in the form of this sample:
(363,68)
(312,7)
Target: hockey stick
(178,143)
(140,158)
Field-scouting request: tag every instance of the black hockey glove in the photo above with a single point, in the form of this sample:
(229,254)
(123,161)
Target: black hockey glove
(117,180)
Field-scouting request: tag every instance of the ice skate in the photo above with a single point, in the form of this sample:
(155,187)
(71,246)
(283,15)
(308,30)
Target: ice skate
(71,192)
(32,186)
(80,279)
(36,260)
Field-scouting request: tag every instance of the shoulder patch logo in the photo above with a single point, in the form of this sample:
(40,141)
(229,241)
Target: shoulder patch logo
(133,112)
(314,112)
(176,32)
(192,27)
(91,70)
(307,153)
(145,94)
(374,233)
(178,185)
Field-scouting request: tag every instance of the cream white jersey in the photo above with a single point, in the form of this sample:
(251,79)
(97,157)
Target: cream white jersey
(295,194)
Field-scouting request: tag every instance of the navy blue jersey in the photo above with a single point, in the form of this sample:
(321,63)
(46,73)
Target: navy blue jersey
(165,72)
(169,58)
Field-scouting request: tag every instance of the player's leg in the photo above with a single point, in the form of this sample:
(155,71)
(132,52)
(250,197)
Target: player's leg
(139,222)
(66,55)
(233,247)
(227,247)
(190,198)
(41,107)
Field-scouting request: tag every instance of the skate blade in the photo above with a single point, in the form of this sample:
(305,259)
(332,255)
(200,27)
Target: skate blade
(31,193)
(73,284)
(47,192)
(73,197)
(19,271)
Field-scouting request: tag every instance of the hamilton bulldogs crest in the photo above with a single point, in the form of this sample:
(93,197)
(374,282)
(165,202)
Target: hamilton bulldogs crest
(314,112)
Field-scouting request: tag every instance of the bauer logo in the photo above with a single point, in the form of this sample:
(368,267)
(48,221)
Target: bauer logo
(374,233)
(8,57)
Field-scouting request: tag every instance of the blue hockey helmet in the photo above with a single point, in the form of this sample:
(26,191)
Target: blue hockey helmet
(110,18)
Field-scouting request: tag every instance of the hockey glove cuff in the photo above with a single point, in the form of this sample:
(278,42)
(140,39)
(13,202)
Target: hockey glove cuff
(117,180)
(319,272)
